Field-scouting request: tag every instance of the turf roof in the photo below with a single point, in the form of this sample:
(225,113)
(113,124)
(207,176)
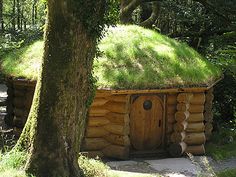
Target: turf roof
(131,58)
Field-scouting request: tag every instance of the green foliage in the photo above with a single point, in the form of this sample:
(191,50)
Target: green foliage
(92,167)
(227,173)
(222,144)
(105,15)
(221,50)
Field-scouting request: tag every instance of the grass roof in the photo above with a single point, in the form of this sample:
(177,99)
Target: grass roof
(131,58)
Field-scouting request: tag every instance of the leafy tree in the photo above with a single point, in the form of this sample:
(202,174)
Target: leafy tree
(64,91)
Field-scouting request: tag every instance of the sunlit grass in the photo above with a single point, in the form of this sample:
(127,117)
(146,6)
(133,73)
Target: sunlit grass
(131,58)
(134,57)
(24,62)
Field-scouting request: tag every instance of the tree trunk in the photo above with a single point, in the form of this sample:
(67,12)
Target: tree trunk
(14,15)
(18,14)
(1,17)
(64,91)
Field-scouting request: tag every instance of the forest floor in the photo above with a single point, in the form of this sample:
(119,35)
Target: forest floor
(169,167)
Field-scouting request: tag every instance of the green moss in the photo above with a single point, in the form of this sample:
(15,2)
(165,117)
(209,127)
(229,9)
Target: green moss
(131,57)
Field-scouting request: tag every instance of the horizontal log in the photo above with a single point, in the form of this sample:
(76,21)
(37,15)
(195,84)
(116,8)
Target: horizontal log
(20,112)
(195,138)
(209,97)
(208,127)
(196,150)
(177,137)
(115,151)
(102,93)
(117,118)
(208,135)
(119,98)
(96,132)
(23,83)
(92,144)
(118,139)
(97,121)
(198,98)
(171,109)
(99,102)
(177,149)
(183,106)
(117,107)
(180,126)
(195,127)
(117,129)
(196,108)
(184,97)
(19,102)
(19,92)
(208,106)
(171,99)
(97,111)
(195,117)
(28,103)
(208,116)
(181,116)
(171,118)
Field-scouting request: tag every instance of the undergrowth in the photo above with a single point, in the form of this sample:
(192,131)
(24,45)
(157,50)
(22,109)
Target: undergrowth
(227,173)
(222,144)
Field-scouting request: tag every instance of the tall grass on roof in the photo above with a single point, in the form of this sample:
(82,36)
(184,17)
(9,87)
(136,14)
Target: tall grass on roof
(134,57)
(131,57)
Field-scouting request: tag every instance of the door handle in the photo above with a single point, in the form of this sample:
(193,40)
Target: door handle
(159,123)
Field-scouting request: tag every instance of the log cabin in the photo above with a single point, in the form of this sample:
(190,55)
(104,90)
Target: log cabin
(154,95)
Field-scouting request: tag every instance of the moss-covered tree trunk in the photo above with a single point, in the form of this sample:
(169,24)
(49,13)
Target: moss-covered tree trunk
(56,123)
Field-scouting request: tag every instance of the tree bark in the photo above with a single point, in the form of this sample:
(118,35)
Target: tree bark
(18,13)
(56,123)
(14,15)
(1,17)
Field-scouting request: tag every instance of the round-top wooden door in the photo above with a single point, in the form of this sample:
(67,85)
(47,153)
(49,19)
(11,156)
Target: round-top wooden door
(146,119)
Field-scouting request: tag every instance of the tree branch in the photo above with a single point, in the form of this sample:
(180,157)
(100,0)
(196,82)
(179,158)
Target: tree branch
(212,8)
(156,6)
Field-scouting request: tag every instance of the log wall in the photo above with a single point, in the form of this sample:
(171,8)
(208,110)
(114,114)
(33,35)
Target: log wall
(107,133)
(188,120)
(208,115)
(188,135)
(171,104)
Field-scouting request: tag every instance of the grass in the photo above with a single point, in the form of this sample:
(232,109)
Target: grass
(12,165)
(24,62)
(131,58)
(227,173)
(222,144)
